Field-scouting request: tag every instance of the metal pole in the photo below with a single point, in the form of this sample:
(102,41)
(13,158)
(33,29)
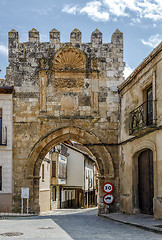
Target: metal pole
(21,205)
(27,204)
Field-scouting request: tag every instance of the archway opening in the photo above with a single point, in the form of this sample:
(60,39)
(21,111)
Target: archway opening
(68,178)
(143,181)
(55,137)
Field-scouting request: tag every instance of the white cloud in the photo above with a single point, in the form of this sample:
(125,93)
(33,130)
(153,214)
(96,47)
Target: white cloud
(70,9)
(93,9)
(153,40)
(102,10)
(42,11)
(3,50)
(151,9)
(136,20)
(127,71)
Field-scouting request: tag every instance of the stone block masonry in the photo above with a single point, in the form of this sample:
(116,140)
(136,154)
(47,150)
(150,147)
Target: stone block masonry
(68,89)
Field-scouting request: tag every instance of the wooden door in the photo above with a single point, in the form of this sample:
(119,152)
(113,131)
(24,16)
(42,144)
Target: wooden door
(146,187)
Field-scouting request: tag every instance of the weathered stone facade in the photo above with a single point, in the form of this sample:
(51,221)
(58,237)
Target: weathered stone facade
(64,91)
(141,132)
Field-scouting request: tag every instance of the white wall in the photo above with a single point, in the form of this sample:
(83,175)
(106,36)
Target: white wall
(6,151)
(75,169)
(88,175)
(45,185)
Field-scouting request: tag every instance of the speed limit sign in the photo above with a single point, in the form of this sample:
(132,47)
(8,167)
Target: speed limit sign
(108,199)
(108,187)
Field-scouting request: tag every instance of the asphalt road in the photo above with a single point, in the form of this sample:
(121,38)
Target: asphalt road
(70,224)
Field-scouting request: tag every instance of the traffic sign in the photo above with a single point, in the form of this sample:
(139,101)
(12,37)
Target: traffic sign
(108,199)
(108,187)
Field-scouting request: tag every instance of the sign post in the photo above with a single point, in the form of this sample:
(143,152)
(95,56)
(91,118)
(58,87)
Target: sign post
(108,198)
(24,195)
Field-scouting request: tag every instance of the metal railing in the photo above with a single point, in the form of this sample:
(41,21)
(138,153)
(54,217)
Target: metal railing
(142,116)
(3,137)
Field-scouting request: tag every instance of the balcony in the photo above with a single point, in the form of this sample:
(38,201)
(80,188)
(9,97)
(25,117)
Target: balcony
(3,136)
(142,118)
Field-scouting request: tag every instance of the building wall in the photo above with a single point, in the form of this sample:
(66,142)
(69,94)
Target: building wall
(61,85)
(75,169)
(6,154)
(44,185)
(132,96)
(88,175)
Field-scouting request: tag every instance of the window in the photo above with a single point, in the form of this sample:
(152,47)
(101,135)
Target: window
(53,169)
(62,170)
(54,193)
(0,178)
(42,172)
(0,125)
(149,106)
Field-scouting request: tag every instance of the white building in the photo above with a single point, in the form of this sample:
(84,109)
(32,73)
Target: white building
(80,178)
(44,184)
(67,179)
(6,148)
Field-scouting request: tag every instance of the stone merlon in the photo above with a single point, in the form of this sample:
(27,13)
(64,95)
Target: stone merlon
(76,36)
(34,36)
(54,36)
(117,38)
(96,37)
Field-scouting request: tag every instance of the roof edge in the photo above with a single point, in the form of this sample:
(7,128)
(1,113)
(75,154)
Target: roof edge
(6,89)
(155,51)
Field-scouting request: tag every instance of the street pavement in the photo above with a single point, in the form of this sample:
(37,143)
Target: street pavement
(70,224)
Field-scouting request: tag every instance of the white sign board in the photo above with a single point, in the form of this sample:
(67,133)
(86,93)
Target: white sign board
(25,193)
(107,187)
(62,181)
(108,199)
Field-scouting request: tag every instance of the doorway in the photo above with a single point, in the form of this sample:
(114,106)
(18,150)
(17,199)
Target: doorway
(145,180)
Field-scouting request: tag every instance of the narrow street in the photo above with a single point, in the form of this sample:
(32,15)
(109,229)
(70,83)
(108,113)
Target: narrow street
(70,224)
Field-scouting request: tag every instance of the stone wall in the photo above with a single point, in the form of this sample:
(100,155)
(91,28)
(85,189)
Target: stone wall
(69,87)
(133,95)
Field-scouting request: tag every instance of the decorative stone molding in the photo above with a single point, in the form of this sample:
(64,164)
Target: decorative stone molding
(69,58)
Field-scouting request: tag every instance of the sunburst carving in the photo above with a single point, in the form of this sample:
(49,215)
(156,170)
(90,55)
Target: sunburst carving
(69,59)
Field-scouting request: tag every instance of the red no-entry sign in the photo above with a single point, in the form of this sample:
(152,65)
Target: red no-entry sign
(107,187)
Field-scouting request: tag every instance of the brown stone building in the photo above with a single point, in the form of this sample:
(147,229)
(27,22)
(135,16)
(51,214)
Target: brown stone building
(69,91)
(141,138)
(64,91)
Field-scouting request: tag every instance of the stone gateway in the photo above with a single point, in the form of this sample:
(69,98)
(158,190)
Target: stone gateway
(64,91)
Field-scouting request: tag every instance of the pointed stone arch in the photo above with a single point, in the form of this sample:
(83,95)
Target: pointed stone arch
(136,150)
(46,142)
(54,137)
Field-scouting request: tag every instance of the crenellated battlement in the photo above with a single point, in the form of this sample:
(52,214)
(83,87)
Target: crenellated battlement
(32,56)
(96,51)
(75,36)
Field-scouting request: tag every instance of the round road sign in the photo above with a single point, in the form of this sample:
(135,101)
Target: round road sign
(108,199)
(108,187)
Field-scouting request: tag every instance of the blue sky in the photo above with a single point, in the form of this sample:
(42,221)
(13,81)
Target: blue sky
(139,20)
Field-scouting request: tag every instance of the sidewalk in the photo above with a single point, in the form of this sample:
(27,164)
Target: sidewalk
(6,215)
(143,221)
